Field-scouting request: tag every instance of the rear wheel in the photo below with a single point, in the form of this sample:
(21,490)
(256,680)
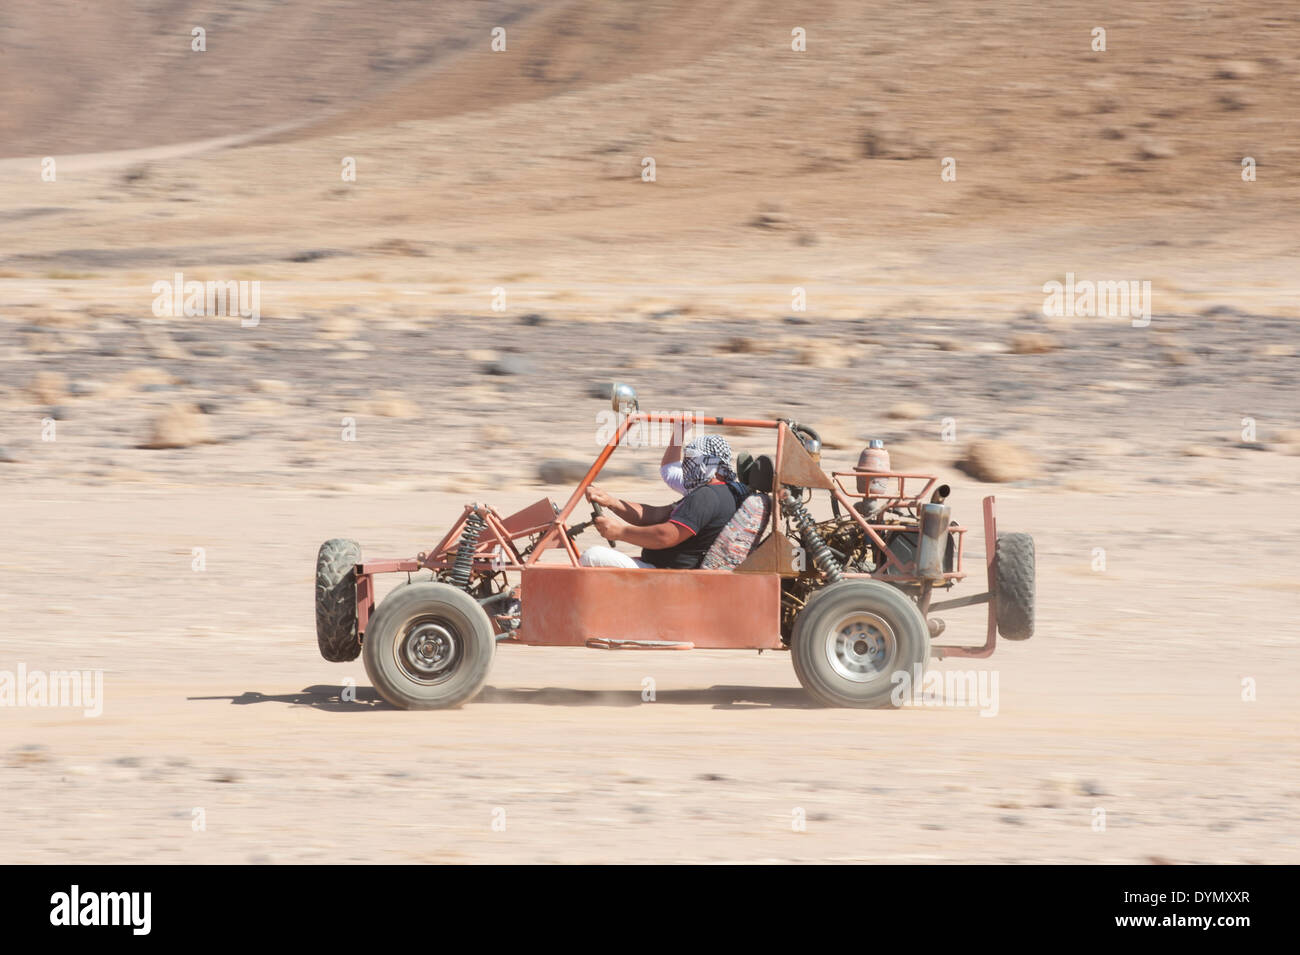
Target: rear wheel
(1013,573)
(852,638)
(428,646)
(336,600)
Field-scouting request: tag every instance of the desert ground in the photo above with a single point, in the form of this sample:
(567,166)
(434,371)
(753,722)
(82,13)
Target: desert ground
(442,328)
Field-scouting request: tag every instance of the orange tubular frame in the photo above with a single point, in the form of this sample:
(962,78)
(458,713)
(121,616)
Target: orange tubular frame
(497,547)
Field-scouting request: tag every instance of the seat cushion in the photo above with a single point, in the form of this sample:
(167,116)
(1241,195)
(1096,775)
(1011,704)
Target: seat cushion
(740,535)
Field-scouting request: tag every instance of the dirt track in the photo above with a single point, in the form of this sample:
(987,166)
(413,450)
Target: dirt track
(1129,700)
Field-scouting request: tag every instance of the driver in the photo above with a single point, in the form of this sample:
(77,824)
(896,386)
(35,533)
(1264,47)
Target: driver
(672,536)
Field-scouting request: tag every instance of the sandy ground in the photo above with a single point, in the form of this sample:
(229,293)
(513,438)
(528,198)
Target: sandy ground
(497,260)
(1129,700)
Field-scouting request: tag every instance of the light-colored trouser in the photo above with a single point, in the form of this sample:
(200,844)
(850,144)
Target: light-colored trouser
(609,557)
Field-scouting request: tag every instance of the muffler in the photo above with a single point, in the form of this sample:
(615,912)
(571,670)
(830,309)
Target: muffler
(934,541)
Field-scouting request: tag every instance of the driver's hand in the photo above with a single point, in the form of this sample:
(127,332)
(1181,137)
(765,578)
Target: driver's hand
(607,526)
(598,495)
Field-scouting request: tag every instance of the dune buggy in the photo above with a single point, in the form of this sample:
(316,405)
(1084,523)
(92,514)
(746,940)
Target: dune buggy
(850,593)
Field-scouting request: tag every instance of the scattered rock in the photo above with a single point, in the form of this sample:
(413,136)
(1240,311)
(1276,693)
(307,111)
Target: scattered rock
(1032,343)
(1289,440)
(824,356)
(1151,148)
(837,434)
(312,255)
(998,461)
(1276,350)
(179,426)
(29,755)
(397,247)
(907,411)
(510,365)
(161,345)
(7,456)
(392,404)
(1090,787)
(884,142)
(496,435)
(562,471)
(135,379)
(338,327)
(532,319)
(1224,311)
(1236,70)
(770,217)
(48,387)
(261,406)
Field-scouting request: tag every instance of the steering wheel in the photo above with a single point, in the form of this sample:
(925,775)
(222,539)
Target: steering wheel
(598,511)
(576,529)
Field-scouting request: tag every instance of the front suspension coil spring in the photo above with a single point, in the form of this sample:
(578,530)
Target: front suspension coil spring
(464,562)
(817,548)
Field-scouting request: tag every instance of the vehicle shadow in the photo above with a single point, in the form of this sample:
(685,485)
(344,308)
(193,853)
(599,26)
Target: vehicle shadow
(361,698)
(319,697)
(717,697)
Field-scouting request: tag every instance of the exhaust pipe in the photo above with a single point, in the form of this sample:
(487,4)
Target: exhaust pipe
(934,539)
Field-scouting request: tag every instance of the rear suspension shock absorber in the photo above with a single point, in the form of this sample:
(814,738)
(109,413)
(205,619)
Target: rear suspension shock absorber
(821,554)
(464,563)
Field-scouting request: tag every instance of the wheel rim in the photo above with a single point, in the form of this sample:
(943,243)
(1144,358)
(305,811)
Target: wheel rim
(861,647)
(428,650)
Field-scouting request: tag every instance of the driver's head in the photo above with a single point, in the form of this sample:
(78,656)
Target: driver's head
(705,458)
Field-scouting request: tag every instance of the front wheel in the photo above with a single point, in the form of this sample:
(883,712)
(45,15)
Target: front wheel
(851,640)
(429,646)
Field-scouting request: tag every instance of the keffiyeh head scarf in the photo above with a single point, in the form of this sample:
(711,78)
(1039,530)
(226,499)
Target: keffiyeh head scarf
(705,458)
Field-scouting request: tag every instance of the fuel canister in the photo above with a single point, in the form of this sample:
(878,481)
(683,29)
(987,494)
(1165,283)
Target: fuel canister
(874,458)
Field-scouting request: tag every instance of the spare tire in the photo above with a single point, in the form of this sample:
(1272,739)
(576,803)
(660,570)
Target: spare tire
(336,600)
(1013,575)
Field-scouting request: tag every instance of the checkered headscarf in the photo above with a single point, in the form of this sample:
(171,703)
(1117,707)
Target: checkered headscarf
(705,458)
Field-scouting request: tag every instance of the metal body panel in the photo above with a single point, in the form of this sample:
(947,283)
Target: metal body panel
(712,609)
(775,555)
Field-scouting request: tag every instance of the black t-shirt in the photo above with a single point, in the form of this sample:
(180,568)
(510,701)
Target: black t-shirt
(706,511)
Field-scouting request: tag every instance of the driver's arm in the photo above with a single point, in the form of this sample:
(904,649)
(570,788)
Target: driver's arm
(653,536)
(641,515)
